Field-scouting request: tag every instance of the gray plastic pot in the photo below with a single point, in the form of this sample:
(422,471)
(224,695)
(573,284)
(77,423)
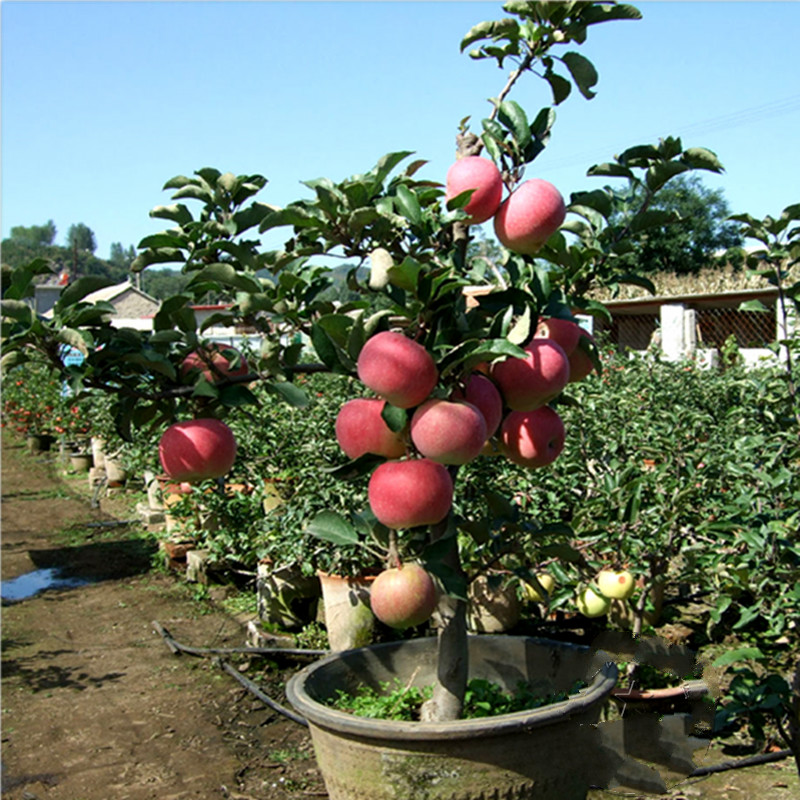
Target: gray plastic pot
(549,753)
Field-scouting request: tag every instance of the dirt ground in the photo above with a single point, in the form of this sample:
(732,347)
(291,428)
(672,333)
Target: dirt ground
(96,707)
(94,704)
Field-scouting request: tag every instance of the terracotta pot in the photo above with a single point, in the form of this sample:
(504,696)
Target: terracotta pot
(116,474)
(549,753)
(492,610)
(286,597)
(80,462)
(348,616)
(98,451)
(38,442)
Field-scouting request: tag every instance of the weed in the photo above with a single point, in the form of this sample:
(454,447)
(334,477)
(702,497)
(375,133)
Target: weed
(482,699)
(312,637)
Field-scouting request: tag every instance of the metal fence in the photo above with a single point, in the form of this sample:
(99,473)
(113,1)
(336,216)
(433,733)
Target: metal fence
(713,327)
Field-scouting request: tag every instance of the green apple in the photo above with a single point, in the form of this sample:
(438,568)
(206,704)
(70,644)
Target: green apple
(591,604)
(616,584)
(532,593)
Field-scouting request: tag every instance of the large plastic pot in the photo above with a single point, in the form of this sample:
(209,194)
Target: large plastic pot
(548,753)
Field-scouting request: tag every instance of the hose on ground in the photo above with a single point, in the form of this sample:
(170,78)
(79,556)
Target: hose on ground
(750,761)
(178,649)
(255,690)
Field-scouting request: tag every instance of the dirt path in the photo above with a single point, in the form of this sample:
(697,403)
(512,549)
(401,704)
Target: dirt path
(94,705)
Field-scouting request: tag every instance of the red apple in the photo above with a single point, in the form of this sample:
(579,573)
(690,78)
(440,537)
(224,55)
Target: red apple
(580,365)
(480,174)
(197,449)
(361,429)
(397,368)
(529,216)
(484,395)
(533,438)
(448,432)
(213,363)
(564,332)
(404,596)
(405,494)
(532,382)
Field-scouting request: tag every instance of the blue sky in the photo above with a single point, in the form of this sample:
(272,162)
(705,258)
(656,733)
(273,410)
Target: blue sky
(102,102)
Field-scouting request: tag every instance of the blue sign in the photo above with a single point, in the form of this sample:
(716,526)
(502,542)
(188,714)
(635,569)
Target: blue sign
(71,356)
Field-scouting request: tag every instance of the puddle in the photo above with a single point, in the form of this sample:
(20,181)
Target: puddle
(31,583)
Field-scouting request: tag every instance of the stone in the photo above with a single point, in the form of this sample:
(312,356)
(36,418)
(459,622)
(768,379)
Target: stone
(197,566)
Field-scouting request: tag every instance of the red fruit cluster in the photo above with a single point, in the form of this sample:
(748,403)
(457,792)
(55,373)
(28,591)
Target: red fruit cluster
(414,486)
(524,221)
(213,364)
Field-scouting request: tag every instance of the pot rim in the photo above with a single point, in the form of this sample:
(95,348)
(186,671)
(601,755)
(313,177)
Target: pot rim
(323,716)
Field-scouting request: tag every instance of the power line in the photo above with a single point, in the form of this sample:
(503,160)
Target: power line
(734,119)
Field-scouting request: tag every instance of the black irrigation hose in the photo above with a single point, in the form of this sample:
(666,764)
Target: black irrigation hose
(751,761)
(177,648)
(254,689)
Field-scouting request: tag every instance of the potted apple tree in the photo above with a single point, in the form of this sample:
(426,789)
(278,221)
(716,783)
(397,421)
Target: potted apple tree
(450,381)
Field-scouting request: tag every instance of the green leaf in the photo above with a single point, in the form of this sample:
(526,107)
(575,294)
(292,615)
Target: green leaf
(228,182)
(559,85)
(177,213)
(492,29)
(18,310)
(79,289)
(700,158)
(385,165)
(460,200)
(632,279)
(740,654)
(521,332)
(227,275)
(332,527)
(653,218)
(753,305)
(659,174)
(515,119)
(237,395)
(610,170)
(194,193)
(408,204)
(292,394)
(396,418)
(563,552)
(583,73)
(363,465)
(178,182)
(165,239)
(405,275)
(492,146)
(165,255)
(204,388)
(595,13)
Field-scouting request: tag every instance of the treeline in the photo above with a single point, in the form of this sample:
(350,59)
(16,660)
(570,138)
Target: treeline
(78,257)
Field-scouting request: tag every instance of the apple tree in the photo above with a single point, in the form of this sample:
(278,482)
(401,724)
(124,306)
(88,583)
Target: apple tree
(413,235)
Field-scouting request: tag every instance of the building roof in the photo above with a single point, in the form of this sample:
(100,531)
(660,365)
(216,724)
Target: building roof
(110,293)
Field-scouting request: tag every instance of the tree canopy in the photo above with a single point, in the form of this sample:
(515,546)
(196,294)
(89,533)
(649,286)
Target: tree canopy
(689,244)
